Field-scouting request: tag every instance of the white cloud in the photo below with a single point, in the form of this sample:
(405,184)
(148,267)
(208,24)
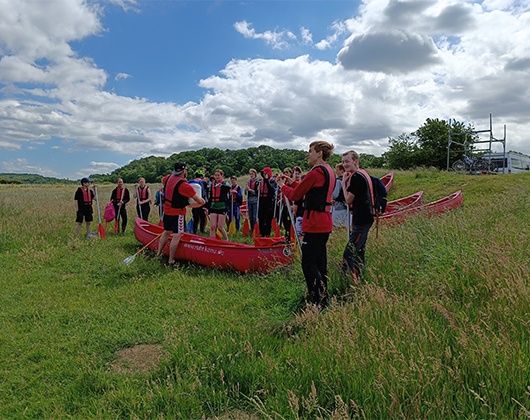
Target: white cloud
(275,39)
(448,59)
(122,76)
(22,166)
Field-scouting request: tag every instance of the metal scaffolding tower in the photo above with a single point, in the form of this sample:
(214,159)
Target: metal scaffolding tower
(468,144)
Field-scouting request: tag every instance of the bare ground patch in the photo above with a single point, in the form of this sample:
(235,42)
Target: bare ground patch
(137,359)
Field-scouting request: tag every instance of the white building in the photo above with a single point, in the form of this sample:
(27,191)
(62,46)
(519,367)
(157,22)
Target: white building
(511,162)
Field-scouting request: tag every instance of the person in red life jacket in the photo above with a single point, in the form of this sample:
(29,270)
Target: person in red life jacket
(267,193)
(120,197)
(177,193)
(317,187)
(356,185)
(236,199)
(218,203)
(83,205)
(142,194)
(251,189)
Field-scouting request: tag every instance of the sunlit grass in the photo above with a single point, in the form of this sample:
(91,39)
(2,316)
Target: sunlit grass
(439,328)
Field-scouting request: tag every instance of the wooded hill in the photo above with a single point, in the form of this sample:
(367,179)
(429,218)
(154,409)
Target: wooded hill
(232,162)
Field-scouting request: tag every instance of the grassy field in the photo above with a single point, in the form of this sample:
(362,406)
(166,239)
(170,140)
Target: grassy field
(439,329)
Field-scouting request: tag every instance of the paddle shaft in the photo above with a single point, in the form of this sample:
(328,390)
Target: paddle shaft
(149,243)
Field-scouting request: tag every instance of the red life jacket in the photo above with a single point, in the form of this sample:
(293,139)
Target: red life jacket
(264,190)
(171,186)
(87,196)
(252,184)
(216,193)
(142,193)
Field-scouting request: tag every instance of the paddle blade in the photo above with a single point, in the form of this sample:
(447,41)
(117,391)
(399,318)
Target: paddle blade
(129,260)
(116,226)
(292,233)
(246,228)
(218,234)
(255,232)
(274,224)
(232,228)
(277,232)
(101,231)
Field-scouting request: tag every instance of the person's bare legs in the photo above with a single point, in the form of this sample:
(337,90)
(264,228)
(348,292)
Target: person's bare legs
(173,247)
(162,242)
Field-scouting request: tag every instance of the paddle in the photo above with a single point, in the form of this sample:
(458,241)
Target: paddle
(138,201)
(101,230)
(130,259)
(246,227)
(293,220)
(232,228)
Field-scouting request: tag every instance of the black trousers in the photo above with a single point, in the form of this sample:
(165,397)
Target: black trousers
(199,219)
(265,214)
(315,266)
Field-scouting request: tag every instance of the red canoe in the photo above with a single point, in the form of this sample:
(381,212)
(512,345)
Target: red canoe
(436,207)
(413,200)
(221,254)
(388,180)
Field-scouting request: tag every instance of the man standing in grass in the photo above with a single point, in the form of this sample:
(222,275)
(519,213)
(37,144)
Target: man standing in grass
(177,193)
(358,193)
(83,205)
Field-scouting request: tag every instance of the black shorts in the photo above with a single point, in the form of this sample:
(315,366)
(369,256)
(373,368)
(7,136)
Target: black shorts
(222,212)
(176,224)
(85,214)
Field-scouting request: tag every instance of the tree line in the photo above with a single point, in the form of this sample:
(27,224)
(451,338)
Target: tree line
(425,147)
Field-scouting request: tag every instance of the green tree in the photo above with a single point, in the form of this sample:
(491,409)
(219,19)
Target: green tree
(403,152)
(433,137)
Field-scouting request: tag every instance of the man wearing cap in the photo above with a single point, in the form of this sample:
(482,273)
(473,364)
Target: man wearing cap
(83,205)
(177,193)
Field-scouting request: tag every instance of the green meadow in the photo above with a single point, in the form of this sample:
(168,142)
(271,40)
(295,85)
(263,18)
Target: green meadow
(439,328)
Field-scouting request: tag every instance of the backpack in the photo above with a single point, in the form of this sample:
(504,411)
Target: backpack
(380,196)
(110,213)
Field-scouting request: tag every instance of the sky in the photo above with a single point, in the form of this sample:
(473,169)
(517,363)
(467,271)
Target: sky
(86,86)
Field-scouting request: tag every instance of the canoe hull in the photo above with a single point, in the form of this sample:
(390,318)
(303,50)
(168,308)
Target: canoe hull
(436,207)
(413,200)
(220,254)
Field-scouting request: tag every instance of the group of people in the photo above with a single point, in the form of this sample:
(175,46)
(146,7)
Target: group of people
(323,198)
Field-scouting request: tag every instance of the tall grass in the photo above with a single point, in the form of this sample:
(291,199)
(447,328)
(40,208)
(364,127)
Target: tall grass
(439,328)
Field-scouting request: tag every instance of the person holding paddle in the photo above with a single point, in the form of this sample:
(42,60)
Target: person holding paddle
(177,193)
(236,198)
(251,189)
(317,224)
(83,205)
(142,194)
(120,197)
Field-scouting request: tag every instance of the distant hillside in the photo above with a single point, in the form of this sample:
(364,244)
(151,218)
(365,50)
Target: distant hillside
(8,178)
(232,162)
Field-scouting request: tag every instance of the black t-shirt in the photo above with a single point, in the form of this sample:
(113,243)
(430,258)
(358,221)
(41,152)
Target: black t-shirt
(362,206)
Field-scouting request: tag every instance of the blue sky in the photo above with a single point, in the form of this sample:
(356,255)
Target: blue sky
(87,86)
